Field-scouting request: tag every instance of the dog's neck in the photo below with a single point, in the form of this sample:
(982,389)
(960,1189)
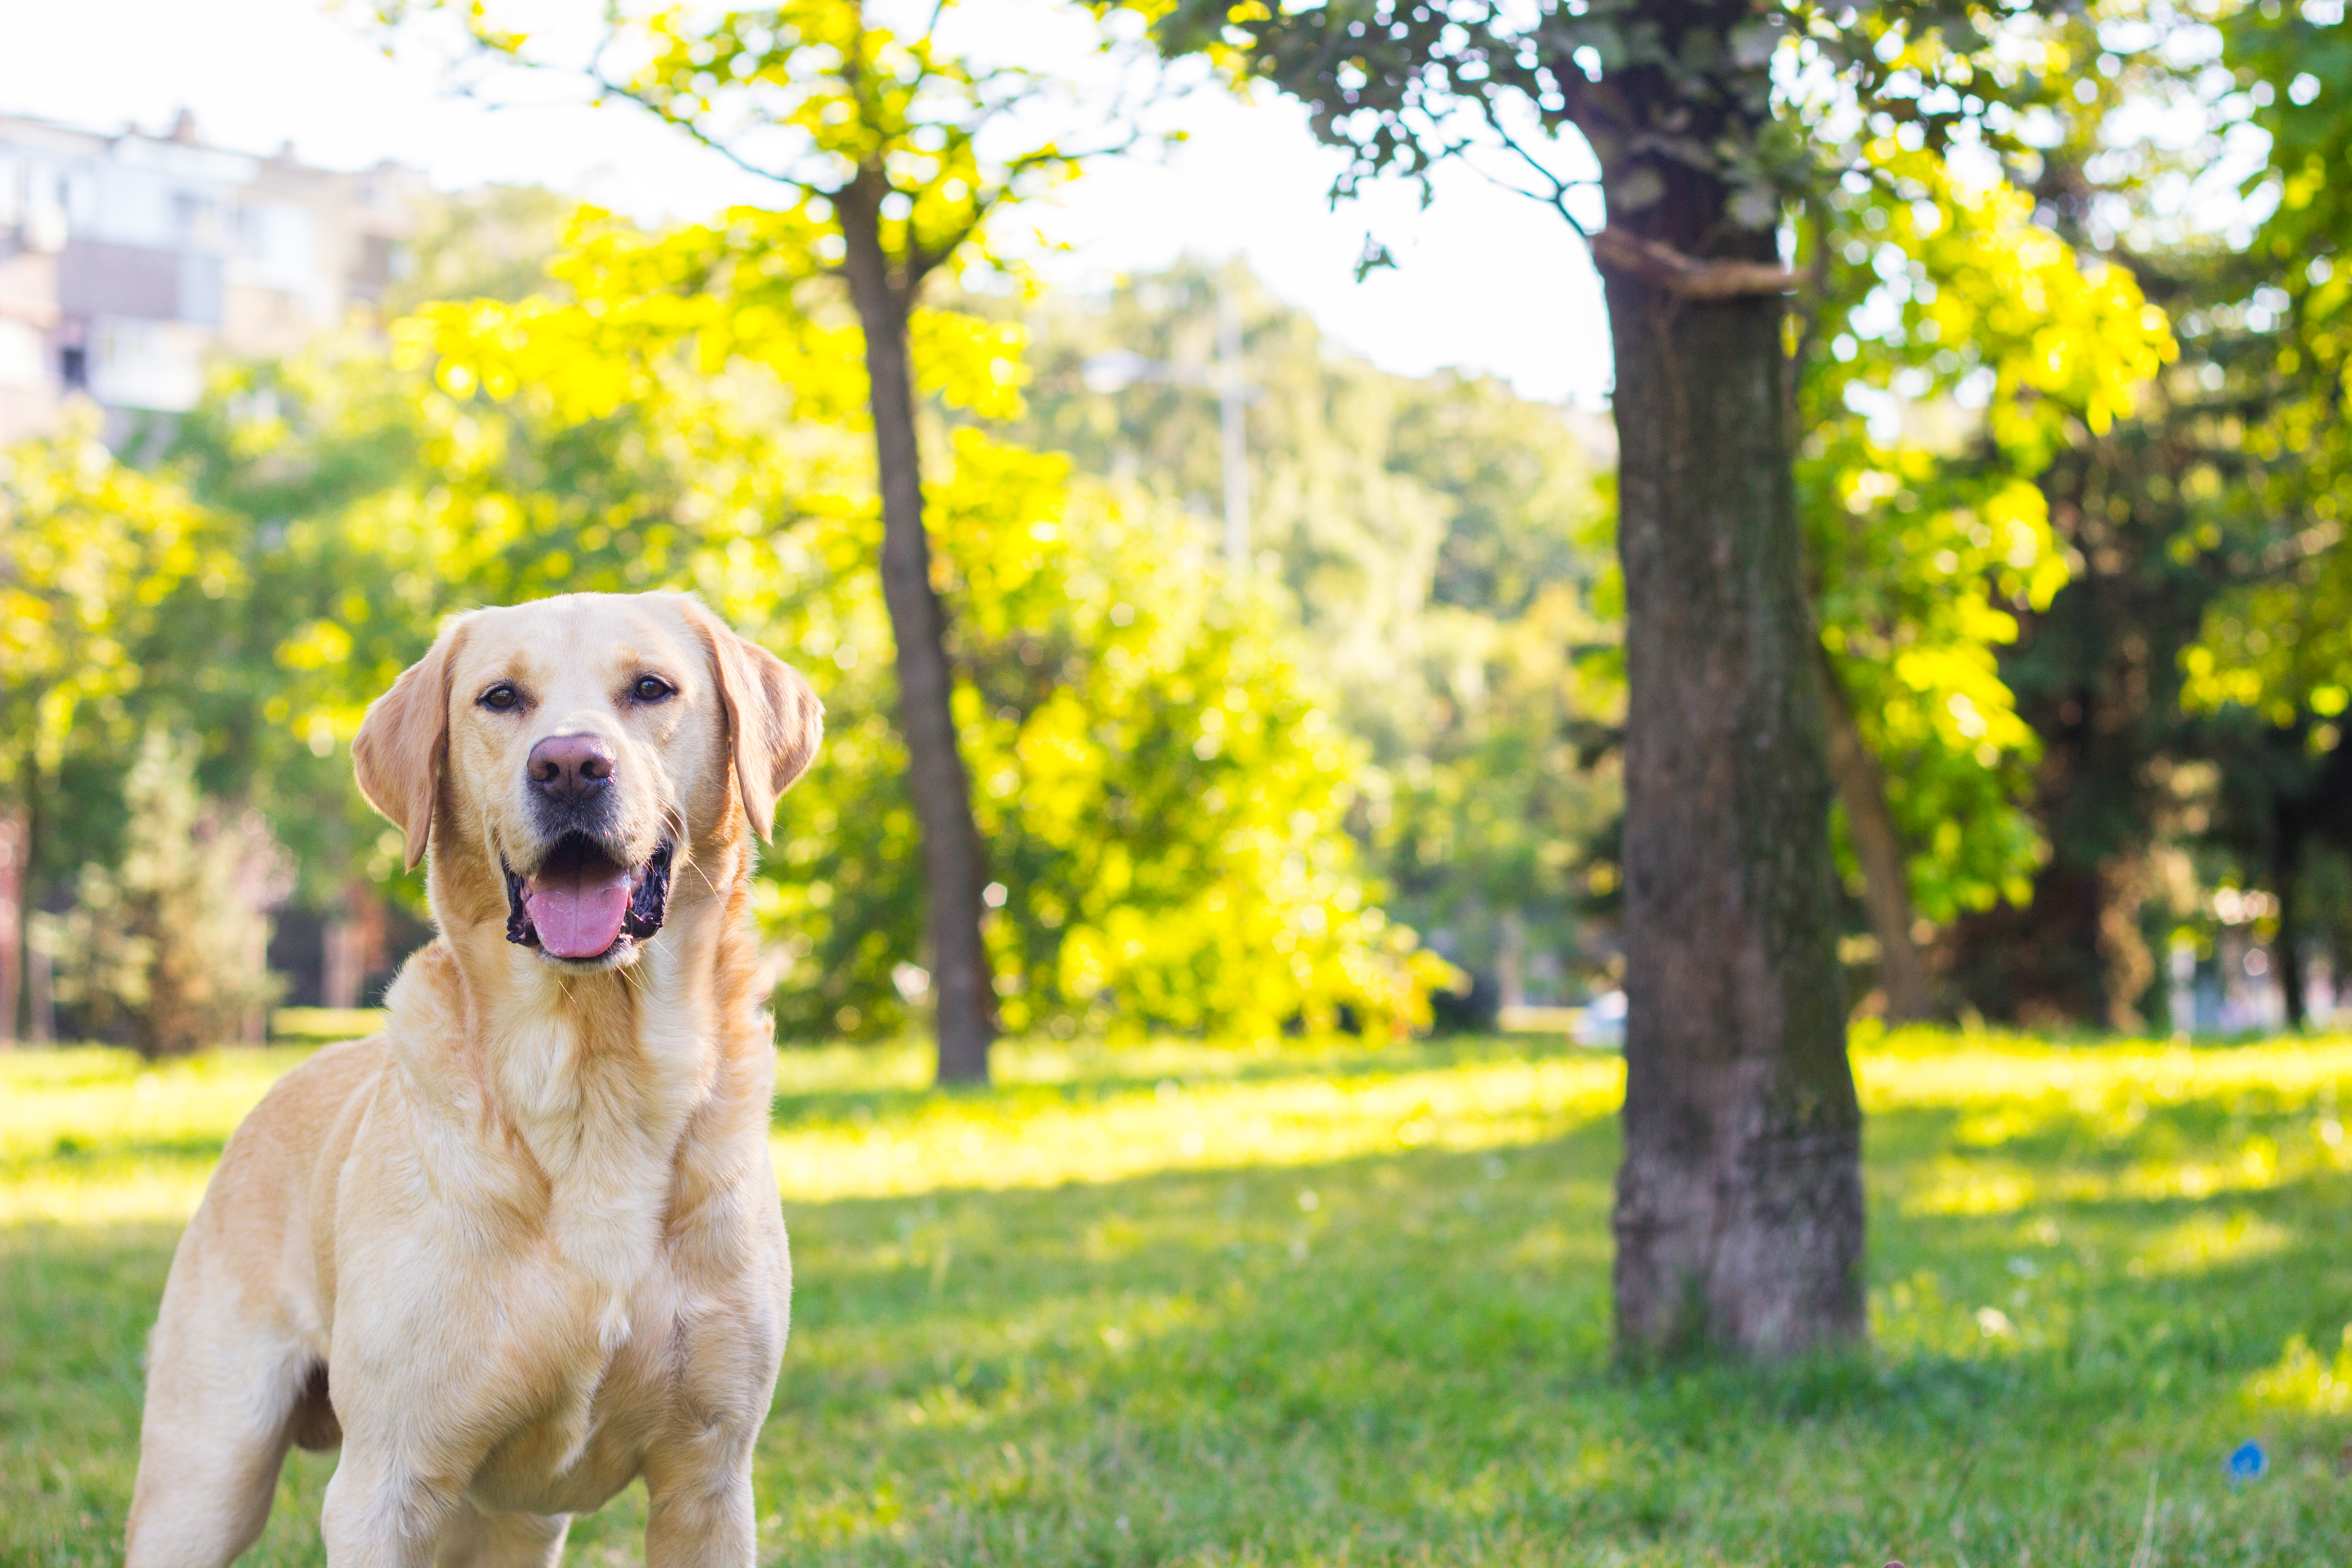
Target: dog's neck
(630,1091)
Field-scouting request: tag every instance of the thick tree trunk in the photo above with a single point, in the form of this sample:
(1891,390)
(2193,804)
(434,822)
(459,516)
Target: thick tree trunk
(954,867)
(1739,1213)
(1885,873)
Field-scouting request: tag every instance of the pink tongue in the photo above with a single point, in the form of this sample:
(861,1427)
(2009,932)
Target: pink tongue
(578,914)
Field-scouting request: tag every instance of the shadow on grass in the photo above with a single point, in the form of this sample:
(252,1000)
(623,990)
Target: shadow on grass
(72,1150)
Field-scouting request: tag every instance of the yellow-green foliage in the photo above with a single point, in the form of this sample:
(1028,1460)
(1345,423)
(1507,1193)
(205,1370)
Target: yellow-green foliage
(1160,794)
(91,549)
(2277,642)
(1961,347)
(1153,776)
(1427,536)
(1240,1305)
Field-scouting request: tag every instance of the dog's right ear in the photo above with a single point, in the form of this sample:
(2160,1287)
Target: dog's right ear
(404,741)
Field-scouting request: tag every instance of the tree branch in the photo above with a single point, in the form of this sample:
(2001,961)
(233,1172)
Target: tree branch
(1558,199)
(1614,249)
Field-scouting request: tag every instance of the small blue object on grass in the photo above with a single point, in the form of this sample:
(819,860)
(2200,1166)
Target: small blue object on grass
(2247,1461)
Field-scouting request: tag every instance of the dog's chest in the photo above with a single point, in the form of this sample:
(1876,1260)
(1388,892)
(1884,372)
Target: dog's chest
(693,1354)
(603,1135)
(607,1380)
(640,1281)
(604,1131)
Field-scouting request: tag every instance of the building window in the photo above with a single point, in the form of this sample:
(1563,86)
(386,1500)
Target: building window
(73,368)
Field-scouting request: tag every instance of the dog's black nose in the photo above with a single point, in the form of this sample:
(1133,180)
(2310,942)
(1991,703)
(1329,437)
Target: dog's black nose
(571,767)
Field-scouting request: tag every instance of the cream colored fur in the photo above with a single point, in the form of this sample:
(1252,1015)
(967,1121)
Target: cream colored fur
(524,1245)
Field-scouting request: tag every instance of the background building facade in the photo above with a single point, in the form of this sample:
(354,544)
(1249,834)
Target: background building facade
(127,260)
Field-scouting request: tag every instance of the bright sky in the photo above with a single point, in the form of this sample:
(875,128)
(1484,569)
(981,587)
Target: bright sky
(1487,279)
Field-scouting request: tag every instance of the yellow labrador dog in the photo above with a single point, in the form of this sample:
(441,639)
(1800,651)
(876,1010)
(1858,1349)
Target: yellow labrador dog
(524,1245)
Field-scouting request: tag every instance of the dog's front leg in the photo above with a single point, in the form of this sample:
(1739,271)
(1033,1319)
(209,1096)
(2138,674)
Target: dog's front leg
(380,1513)
(699,1511)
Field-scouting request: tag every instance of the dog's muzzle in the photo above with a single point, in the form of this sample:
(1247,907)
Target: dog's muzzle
(582,904)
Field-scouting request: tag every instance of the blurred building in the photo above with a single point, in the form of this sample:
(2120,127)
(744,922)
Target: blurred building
(127,260)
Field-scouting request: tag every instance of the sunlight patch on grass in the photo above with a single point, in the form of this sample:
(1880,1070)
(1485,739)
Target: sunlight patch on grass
(2035,1126)
(1970,1187)
(2301,1382)
(93,1097)
(116,1193)
(1928,1067)
(1953,1185)
(94,1136)
(1041,1140)
(2205,1241)
(1958,1185)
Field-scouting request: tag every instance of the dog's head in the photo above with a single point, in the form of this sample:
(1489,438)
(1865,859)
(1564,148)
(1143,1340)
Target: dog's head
(577,748)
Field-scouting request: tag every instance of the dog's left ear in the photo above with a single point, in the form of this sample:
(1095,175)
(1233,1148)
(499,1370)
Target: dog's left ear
(775,721)
(404,741)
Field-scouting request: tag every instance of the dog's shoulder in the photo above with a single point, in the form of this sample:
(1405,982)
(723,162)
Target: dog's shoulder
(428,994)
(316,1089)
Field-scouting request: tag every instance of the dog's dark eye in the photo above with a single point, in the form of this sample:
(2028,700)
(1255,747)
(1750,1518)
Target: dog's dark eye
(501,697)
(651,688)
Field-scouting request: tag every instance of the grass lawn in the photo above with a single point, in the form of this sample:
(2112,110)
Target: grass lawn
(1190,1306)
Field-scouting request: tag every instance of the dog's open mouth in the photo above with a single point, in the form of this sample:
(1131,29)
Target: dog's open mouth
(581,903)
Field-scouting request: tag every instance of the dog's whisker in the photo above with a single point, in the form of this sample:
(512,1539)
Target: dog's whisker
(677,818)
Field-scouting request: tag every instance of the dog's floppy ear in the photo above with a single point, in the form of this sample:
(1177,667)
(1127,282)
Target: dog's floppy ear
(404,741)
(775,721)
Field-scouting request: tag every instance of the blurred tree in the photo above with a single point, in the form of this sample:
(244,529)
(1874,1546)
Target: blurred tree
(492,242)
(272,677)
(1437,542)
(888,151)
(2097,677)
(2273,664)
(2115,780)
(89,550)
(2174,522)
(1163,796)
(1958,349)
(167,948)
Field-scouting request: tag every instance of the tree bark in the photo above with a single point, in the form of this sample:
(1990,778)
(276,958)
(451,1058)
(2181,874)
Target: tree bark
(1739,1209)
(954,867)
(2286,947)
(13,883)
(1886,872)
(30,1019)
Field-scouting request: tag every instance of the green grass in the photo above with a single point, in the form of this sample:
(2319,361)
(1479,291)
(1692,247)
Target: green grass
(1192,1306)
(323,1026)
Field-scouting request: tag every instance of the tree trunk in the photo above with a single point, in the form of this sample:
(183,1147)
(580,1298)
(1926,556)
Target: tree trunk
(1886,874)
(31,1019)
(1740,1212)
(2286,947)
(13,883)
(955,870)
